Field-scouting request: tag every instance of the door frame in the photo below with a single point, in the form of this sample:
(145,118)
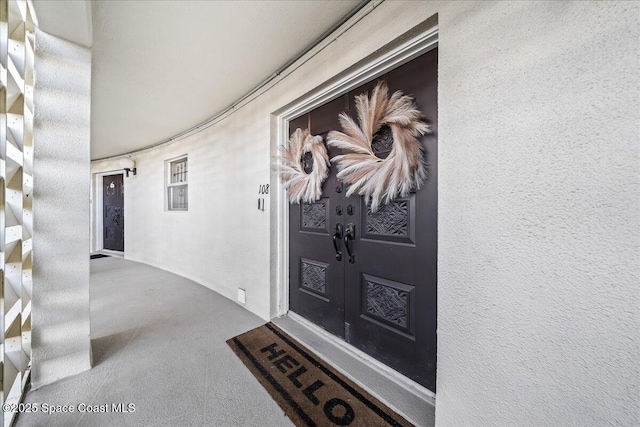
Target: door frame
(98,233)
(414,43)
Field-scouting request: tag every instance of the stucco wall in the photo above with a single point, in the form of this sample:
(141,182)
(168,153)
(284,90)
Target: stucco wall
(60,340)
(539,217)
(538,205)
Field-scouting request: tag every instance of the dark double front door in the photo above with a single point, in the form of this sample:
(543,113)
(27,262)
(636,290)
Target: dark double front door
(382,297)
(113,215)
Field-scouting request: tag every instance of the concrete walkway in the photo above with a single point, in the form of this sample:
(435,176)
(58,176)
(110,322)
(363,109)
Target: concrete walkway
(159,344)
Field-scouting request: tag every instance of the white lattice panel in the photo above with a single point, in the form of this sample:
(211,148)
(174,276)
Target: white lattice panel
(17,37)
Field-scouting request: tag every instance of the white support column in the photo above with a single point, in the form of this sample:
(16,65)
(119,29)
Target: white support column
(61,193)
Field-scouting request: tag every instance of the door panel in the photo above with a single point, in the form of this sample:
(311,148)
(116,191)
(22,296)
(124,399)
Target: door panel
(394,222)
(113,217)
(390,300)
(316,277)
(383,299)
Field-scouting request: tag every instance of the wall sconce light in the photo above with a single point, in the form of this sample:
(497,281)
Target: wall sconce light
(129,166)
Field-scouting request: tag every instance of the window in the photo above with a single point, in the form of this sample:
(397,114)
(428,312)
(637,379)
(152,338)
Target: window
(177,184)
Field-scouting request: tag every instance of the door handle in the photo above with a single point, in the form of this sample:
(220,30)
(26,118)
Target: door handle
(337,235)
(350,234)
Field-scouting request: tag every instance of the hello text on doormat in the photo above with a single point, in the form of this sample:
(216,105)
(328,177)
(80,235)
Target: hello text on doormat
(310,392)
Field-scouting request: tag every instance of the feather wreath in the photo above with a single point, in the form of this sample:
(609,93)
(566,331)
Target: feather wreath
(381,180)
(300,186)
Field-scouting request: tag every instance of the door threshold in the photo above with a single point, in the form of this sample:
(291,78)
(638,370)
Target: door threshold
(410,399)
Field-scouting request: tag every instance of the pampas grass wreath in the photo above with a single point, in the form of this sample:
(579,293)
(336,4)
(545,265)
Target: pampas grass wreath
(300,186)
(381,180)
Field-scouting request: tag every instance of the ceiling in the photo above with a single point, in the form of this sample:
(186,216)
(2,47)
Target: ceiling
(161,67)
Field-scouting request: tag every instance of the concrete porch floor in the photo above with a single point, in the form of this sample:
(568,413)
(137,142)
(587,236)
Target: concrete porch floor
(158,342)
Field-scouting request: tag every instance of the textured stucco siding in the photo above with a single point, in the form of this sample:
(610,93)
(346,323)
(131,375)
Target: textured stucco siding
(60,340)
(539,215)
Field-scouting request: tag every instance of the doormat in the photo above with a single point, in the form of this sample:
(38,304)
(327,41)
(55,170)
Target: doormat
(99,256)
(309,390)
